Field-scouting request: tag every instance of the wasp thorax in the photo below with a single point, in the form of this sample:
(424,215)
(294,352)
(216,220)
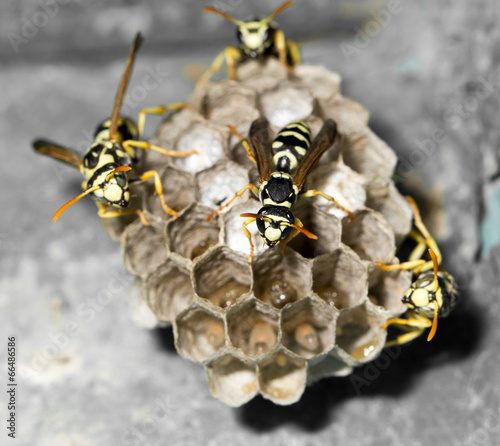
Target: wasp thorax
(276,225)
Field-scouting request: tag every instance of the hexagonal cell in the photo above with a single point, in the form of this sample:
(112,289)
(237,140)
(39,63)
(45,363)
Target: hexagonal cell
(351,117)
(178,191)
(360,333)
(395,209)
(341,183)
(144,247)
(320,82)
(340,278)
(253,327)
(218,184)
(325,226)
(280,279)
(367,154)
(370,236)
(168,290)
(232,381)
(387,288)
(208,140)
(234,235)
(190,234)
(199,334)
(222,277)
(230,103)
(326,366)
(286,104)
(261,75)
(308,328)
(282,378)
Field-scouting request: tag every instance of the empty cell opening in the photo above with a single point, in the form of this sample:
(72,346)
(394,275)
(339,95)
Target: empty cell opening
(340,279)
(168,291)
(191,235)
(359,333)
(280,279)
(389,288)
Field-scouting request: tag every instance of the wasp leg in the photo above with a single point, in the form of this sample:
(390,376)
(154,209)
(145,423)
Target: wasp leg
(415,265)
(250,186)
(245,144)
(104,213)
(158,189)
(293,53)
(141,121)
(280,44)
(249,236)
(414,326)
(147,146)
(313,192)
(231,55)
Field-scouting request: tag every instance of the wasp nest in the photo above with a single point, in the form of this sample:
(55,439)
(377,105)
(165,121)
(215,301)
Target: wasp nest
(284,321)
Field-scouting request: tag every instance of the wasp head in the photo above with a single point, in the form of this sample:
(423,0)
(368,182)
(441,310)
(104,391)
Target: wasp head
(275,224)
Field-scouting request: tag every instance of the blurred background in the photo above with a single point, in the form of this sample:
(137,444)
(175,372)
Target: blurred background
(428,72)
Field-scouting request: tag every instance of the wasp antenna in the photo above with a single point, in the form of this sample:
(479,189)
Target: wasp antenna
(249,214)
(435,264)
(277,11)
(307,233)
(115,117)
(117,169)
(72,202)
(223,14)
(434,324)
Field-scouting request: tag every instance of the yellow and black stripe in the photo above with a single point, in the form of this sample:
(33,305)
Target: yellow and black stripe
(290,145)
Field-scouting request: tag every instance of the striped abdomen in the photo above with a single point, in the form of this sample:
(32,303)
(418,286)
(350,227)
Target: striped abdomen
(290,145)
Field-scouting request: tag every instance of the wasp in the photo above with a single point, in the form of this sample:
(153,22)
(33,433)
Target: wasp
(284,165)
(259,38)
(111,155)
(432,294)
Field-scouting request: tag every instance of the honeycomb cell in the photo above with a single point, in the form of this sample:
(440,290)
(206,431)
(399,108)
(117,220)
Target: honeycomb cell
(387,288)
(359,333)
(234,235)
(320,82)
(327,365)
(208,140)
(281,279)
(370,236)
(190,234)
(232,380)
(285,104)
(253,327)
(218,184)
(341,183)
(230,104)
(144,247)
(367,154)
(340,278)
(324,226)
(222,277)
(282,378)
(351,117)
(308,327)
(261,75)
(168,290)
(199,333)
(178,191)
(395,209)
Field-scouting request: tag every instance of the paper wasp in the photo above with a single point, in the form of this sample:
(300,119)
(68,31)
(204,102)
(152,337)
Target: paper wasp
(432,294)
(111,155)
(258,38)
(293,157)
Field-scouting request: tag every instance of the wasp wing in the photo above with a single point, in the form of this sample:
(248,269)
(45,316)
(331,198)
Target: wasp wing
(321,143)
(58,152)
(260,141)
